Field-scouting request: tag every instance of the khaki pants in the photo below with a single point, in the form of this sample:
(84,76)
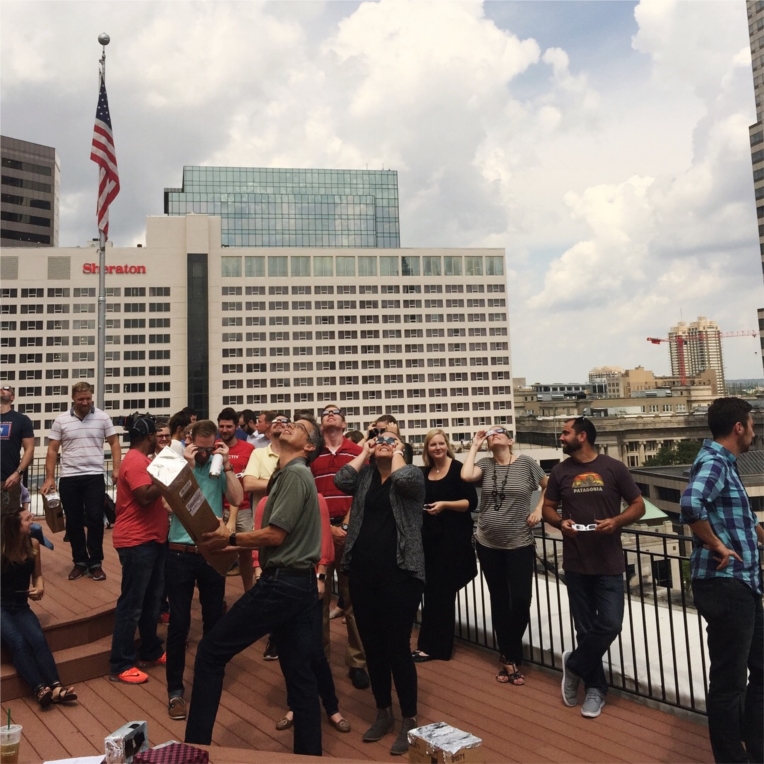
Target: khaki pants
(355,656)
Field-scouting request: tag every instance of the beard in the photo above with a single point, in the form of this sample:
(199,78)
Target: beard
(569,448)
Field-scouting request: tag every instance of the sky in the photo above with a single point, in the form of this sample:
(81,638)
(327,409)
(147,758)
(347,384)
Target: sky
(603,145)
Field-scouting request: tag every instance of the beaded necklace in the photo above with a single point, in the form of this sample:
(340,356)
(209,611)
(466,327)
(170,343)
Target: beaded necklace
(498,495)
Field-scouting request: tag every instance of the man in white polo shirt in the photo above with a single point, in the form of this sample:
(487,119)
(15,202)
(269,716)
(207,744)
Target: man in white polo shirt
(79,434)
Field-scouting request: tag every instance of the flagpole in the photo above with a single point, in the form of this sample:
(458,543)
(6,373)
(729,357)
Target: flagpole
(104,39)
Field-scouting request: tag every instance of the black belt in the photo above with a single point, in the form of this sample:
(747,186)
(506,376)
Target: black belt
(190,548)
(289,572)
(337,520)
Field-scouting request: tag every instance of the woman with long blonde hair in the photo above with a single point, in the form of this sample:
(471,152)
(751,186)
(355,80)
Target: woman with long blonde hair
(20,630)
(449,559)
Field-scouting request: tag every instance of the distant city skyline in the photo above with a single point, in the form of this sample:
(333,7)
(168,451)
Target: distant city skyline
(603,145)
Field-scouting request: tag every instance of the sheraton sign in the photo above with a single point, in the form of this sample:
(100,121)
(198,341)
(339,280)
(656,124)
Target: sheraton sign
(118,269)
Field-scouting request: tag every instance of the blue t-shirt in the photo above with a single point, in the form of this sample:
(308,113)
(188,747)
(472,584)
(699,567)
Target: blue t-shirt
(213,489)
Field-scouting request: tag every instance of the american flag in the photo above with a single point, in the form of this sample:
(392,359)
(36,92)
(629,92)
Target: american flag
(105,156)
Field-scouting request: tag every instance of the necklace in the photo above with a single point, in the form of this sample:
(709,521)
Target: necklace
(498,494)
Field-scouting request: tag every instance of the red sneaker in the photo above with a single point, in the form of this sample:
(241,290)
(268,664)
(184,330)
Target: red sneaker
(160,661)
(130,676)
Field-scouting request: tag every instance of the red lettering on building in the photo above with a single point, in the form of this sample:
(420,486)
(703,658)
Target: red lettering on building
(115,269)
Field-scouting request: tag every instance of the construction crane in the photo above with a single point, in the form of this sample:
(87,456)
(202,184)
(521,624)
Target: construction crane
(680,343)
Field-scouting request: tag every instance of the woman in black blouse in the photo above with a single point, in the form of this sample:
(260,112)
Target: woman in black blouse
(449,558)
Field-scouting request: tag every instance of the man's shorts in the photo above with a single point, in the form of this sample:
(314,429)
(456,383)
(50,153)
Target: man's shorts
(244,521)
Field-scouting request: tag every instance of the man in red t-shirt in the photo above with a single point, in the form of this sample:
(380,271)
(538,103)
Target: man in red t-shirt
(139,536)
(239,518)
(337,452)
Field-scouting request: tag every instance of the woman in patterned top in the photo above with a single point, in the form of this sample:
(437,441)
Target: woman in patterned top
(505,545)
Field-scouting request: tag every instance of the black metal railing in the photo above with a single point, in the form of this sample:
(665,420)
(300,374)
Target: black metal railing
(660,653)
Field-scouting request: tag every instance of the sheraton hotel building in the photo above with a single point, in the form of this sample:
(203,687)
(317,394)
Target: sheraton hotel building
(267,289)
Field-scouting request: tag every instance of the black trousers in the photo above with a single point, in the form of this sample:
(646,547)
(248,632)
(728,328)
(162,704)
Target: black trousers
(509,575)
(82,497)
(385,616)
(436,634)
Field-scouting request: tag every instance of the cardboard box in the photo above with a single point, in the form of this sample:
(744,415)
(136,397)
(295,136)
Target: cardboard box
(54,512)
(441,743)
(174,477)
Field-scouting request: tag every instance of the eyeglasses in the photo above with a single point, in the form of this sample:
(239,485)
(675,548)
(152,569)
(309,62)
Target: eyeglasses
(162,437)
(388,441)
(205,450)
(496,431)
(332,412)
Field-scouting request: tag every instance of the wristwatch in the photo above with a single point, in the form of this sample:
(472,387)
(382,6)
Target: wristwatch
(232,539)
(344,527)
(321,576)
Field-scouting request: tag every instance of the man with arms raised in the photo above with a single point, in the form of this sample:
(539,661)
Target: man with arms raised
(239,518)
(591,487)
(139,537)
(79,434)
(186,568)
(336,453)
(281,602)
(726,583)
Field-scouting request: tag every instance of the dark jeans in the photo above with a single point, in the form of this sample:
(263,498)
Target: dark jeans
(320,665)
(22,635)
(184,571)
(509,576)
(138,605)
(735,700)
(596,604)
(82,497)
(385,615)
(284,606)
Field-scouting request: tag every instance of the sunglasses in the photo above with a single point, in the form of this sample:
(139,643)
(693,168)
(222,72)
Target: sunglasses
(162,437)
(6,387)
(579,527)
(496,431)
(386,440)
(281,420)
(205,450)
(332,412)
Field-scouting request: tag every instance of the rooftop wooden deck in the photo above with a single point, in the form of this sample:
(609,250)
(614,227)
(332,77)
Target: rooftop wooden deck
(517,724)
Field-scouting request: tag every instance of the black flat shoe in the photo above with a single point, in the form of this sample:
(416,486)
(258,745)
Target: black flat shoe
(420,657)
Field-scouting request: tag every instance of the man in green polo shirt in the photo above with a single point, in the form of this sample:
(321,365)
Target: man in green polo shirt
(282,602)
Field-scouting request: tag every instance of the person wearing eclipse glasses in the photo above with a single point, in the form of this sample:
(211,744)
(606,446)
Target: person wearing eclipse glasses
(504,539)
(384,559)
(591,488)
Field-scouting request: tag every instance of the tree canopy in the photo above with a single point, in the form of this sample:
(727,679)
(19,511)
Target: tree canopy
(680,452)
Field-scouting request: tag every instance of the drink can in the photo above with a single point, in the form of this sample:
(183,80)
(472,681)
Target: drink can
(216,466)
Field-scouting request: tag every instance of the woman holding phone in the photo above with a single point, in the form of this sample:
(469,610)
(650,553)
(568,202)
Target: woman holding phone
(449,559)
(385,565)
(21,632)
(504,541)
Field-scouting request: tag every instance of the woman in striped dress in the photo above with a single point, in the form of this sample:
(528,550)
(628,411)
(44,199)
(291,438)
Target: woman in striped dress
(505,545)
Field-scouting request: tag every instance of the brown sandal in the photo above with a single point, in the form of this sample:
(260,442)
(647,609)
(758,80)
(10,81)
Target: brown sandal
(44,696)
(64,694)
(509,674)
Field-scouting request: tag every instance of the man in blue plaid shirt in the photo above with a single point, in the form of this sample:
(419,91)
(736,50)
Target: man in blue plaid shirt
(726,584)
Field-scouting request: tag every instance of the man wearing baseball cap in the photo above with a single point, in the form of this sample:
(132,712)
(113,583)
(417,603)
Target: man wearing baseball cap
(15,433)
(139,536)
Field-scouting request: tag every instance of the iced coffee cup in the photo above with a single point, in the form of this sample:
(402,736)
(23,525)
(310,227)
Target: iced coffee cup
(10,738)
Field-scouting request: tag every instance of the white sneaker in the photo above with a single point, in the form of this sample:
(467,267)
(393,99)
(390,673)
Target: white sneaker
(593,704)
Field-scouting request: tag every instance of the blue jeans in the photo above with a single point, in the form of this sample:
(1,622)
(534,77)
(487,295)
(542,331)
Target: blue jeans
(286,607)
(22,635)
(733,612)
(596,604)
(183,572)
(82,497)
(138,605)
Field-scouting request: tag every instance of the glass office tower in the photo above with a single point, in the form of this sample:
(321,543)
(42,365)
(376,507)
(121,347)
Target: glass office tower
(272,207)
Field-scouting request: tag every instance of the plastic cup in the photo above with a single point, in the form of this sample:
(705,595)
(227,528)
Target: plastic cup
(10,739)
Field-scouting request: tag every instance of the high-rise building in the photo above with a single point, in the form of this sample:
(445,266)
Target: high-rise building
(29,205)
(756,130)
(272,207)
(696,347)
(419,333)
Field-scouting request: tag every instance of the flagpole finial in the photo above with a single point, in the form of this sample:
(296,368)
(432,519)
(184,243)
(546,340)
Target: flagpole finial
(104,39)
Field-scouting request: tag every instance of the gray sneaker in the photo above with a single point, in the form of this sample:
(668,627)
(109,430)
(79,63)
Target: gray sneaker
(570,682)
(593,703)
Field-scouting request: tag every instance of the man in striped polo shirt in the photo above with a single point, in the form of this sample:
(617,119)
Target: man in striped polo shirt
(79,434)
(336,453)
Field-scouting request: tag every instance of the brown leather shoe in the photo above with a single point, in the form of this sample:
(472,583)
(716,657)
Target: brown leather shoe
(284,724)
(177,708)
(97,574)
(77,572)
(343,725)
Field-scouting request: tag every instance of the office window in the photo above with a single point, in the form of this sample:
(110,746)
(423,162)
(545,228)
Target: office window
(432,265)
(410,265)
(367,266)
(254,267)
(452,265)
(345,266)
(300,265)
(494,265)
(323,265)
(278,266)
(473,265)
(230,267)
(388,266)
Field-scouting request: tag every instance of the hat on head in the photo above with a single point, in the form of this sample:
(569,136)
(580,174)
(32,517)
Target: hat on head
(141,427)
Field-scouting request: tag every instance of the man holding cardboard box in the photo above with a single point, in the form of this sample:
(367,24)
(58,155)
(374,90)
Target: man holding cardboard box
(186,568)
(282,602)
